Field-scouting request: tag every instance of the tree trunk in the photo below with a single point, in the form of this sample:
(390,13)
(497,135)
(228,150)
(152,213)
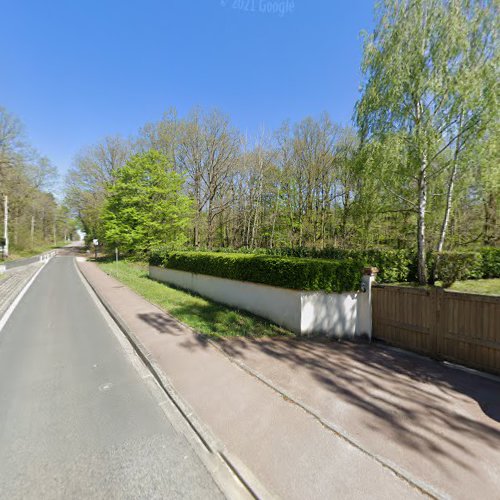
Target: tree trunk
(490,220)
(422,208)
(449,199)
(449,195)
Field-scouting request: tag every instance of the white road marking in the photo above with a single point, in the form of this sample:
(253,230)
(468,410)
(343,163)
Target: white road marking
(10,310)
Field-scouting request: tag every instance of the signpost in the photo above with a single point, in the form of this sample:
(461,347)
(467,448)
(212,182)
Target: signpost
(95,241)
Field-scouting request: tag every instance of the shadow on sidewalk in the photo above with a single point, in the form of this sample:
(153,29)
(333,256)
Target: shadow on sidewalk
(162,323)
(416,401)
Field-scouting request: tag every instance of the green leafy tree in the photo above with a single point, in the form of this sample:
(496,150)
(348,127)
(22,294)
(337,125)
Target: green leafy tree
(428,89)
(146,205)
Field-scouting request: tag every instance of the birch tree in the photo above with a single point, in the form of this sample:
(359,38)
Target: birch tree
(418,76)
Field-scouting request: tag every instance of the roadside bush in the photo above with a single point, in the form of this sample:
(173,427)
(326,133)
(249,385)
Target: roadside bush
(158,255)
(393,265)
(491,262)
(456,266)
(299,274)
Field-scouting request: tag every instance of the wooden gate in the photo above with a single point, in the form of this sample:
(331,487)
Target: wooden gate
(459,327)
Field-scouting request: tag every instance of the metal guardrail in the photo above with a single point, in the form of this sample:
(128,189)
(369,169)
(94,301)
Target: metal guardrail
(26,262)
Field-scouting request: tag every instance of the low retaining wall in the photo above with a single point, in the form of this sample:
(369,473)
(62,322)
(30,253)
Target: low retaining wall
(341,315)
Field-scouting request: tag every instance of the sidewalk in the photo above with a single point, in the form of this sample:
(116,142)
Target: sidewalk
(318,420)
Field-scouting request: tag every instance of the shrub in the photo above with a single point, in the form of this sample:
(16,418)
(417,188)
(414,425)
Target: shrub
(393,265)
(300,274)
(456,266)
(491,262)
(158,255)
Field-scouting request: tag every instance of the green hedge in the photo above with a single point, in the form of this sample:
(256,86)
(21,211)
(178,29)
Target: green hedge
(395,266)
(456,266)
(299,274)
(491,262)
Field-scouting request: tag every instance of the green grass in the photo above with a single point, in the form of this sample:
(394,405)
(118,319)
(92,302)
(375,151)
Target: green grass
(489,286)
(204,316)
(24,253)
(486,286)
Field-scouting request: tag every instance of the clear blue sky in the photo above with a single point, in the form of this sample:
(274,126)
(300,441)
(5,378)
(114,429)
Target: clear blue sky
(75,71)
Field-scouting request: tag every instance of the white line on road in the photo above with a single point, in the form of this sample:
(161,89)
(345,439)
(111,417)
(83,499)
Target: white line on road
(10,310)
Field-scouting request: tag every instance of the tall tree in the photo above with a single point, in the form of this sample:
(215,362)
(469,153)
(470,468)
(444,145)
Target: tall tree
(87,183)
(26,178)
(418,76)
(146,206)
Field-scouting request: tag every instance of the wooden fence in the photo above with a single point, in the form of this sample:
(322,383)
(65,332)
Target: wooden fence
(459,327)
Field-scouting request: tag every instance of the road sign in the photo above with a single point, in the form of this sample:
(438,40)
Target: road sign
(95,241)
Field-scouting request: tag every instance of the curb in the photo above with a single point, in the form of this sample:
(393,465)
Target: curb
(245,478)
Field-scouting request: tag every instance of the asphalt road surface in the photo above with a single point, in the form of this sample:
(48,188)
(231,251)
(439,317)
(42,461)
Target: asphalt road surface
(77,419)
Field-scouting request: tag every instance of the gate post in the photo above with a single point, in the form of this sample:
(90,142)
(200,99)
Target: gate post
(364,304)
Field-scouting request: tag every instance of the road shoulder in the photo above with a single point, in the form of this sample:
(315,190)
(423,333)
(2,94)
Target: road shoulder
(13,283)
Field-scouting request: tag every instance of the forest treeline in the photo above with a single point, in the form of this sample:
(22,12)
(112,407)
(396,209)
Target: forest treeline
(418,168)
(36,219)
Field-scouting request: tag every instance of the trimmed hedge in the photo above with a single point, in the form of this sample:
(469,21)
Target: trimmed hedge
(159,255)
(330,276)
(491,262)
(395,266)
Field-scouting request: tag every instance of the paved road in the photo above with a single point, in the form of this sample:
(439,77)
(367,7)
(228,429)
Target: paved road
(77,420)
(12,282)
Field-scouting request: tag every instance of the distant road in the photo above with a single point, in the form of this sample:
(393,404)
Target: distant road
(77,420)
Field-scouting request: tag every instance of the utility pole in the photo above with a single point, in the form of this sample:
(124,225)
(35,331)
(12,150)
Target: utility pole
(32,232)
(6,225)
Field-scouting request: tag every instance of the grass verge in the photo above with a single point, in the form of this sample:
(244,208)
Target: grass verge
(25,253)
(489,286)
(204,316)
(483,287)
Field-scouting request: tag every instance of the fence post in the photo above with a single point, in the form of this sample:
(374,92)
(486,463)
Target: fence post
(440,326)
(435,298)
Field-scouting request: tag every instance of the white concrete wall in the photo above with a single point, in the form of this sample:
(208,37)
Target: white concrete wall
(280,305)
(330,314)
(305,313)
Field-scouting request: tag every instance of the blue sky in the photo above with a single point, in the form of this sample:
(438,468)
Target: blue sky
(75,71)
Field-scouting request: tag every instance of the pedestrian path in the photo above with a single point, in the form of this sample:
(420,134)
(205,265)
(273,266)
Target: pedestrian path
(287,450)
(13,282)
